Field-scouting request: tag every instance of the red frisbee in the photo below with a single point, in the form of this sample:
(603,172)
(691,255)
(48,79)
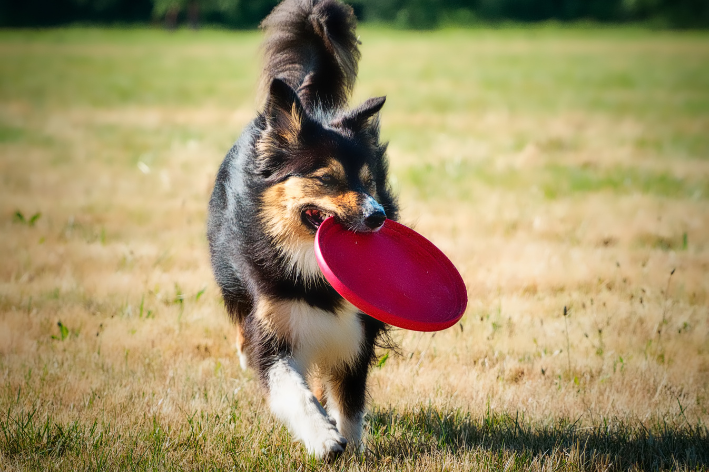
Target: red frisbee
(394,275)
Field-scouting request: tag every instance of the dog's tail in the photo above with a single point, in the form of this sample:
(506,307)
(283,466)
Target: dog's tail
(311,45)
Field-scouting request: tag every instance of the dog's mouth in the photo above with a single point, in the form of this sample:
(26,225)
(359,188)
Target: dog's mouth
(313,217)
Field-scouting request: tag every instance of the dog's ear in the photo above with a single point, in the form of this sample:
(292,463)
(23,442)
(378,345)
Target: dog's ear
(357,118)
(284,112)
(285,116)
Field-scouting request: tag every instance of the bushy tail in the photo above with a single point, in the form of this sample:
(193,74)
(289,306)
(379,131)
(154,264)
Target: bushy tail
(311,45)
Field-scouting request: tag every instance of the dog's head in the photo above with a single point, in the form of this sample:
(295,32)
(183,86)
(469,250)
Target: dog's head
(313,166)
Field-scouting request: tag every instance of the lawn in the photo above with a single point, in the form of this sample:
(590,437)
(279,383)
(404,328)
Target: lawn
(565,171)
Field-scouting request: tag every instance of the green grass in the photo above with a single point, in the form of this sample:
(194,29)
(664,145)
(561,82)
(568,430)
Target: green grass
(139,67)
(10,134)
(460,181)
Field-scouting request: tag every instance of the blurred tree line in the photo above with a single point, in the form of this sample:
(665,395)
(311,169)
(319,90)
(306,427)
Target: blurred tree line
(420,14)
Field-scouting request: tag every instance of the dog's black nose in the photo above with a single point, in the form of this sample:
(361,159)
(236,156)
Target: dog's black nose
(375,220)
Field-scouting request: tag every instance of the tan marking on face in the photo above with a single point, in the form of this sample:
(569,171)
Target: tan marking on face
(367,179)
(284,202)
(347,202)
(281,211)
(334,169)
(282,205)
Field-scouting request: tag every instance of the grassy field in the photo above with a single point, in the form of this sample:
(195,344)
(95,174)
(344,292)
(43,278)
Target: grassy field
(564,171)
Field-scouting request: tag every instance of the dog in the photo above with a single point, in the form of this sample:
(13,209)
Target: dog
(305,157)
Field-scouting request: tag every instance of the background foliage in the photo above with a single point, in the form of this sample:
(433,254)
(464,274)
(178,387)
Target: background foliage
(419,14)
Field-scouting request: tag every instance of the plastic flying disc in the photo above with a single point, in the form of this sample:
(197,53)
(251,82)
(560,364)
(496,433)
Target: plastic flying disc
(394,275)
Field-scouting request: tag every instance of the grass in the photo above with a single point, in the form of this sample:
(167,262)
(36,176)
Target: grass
(428,435)
(563,170)
(454,179)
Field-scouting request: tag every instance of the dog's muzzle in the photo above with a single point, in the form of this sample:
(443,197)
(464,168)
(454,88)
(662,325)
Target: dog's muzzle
(374,214)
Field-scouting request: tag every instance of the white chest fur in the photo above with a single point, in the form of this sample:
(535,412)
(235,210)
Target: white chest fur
(323,338)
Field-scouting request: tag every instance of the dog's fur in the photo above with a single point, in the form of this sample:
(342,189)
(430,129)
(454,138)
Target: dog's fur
(303,158)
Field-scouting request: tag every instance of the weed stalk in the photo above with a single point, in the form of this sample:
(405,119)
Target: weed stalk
(664,310)
(568,345)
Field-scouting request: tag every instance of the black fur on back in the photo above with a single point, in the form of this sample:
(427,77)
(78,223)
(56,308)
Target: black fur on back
(311,45)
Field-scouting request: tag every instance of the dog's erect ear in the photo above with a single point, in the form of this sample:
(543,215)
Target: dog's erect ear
(284,112)
(357,118)
(284,116)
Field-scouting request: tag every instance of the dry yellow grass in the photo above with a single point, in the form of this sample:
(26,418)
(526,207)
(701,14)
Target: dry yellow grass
(524,198)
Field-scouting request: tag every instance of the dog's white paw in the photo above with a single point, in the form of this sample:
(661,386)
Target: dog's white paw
(350,427)
(325,442)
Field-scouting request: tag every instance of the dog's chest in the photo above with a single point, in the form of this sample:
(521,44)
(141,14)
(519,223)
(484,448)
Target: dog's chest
(324,338)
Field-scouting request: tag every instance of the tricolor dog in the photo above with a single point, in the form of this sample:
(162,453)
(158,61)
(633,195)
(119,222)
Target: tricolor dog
(305,157)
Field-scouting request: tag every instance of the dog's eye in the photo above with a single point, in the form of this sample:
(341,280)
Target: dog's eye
(326,179)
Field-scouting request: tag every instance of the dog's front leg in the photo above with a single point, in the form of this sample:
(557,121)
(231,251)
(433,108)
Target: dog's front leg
(292,402)
(345,390)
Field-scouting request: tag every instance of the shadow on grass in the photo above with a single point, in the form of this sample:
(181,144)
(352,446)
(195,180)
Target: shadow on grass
(611,443)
